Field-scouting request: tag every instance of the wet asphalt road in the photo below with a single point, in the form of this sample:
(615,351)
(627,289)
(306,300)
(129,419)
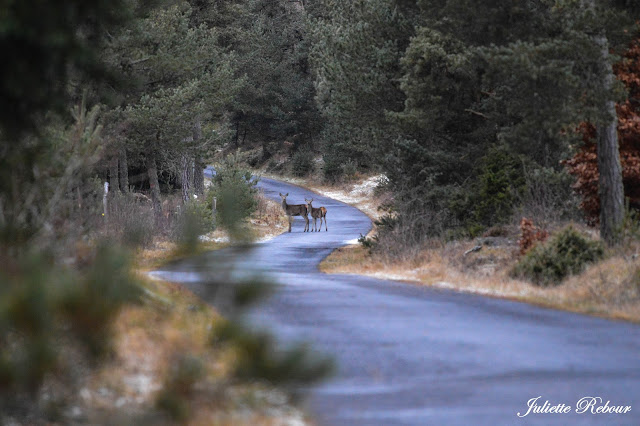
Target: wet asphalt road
(408,355)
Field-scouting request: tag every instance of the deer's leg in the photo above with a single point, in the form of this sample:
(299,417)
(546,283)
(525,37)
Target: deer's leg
(315,223)
(290,220)
(306,223)
(325,223)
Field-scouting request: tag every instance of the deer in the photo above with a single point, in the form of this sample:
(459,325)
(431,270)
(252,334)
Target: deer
(316,213)
(295,210)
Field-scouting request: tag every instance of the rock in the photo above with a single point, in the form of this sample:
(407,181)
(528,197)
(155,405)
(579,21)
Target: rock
(476,248)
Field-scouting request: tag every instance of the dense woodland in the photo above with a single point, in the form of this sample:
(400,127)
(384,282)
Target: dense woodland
(471,110)
(476,112)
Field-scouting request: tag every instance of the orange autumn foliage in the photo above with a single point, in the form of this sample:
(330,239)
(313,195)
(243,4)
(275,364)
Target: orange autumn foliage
(530,235)
(584,165)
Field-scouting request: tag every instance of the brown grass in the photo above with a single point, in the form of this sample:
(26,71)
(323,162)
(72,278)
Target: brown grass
(609,289)
(268,219)
(172,322)
(150,337)
(266,222)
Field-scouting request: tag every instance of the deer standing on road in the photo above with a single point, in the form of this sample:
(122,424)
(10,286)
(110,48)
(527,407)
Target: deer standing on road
(316,213)
(295,210)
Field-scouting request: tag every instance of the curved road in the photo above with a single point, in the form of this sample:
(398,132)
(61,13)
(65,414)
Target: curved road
(410,355)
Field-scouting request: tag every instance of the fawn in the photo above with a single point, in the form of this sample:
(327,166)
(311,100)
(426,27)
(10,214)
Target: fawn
(316,213)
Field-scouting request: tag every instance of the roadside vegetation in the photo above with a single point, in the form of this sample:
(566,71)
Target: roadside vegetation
(130,94)
(564,266)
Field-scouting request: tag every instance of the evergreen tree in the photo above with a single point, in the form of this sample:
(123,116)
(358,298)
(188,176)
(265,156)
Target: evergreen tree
(355,55)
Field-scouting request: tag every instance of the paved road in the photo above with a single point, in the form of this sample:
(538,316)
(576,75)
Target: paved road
(418,356)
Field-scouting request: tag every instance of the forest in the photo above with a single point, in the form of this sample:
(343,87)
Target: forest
(479,114)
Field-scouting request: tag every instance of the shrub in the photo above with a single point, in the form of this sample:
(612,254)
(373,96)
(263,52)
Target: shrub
(530,235)
(368,243)
(48,310)
(564,254)
(179,385)
(131,219)
(349,170)
(397,238)
(235,190)
(302,162)
(195,219)
(499,182)
(332,168)
(548,196)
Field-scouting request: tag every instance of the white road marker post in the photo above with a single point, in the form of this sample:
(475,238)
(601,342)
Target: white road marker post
(104,202)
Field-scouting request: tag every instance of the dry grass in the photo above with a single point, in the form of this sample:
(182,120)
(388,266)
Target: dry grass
(172,322)
(150,337)
(268,221)
(610,288)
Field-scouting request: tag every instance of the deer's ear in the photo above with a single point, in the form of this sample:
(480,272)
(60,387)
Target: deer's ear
(281,194)
(287,194)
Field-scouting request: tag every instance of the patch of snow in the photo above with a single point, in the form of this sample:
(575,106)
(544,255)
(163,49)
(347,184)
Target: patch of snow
(439,284)
(389,276)
(142,384)
(482,291)
(85,394)
(366,188)
(265,238)
(351,242)
(76,412)
(224,239)
(340,196)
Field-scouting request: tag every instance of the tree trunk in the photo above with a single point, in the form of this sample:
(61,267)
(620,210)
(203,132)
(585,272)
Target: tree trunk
(114,183)
(611,189)
(198,166)
(198,177)
(152,170)
(186,178)
(124,170)
(237,134)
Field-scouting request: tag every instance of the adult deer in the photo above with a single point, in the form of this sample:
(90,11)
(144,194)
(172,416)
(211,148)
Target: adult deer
(316,213)
(295,210)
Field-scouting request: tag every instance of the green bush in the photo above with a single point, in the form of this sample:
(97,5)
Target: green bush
(332,168)
(195,219)
(349,170)
(302,162)
(235,191)
(179,386)
(45,308)
(564,254)
(499,183)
